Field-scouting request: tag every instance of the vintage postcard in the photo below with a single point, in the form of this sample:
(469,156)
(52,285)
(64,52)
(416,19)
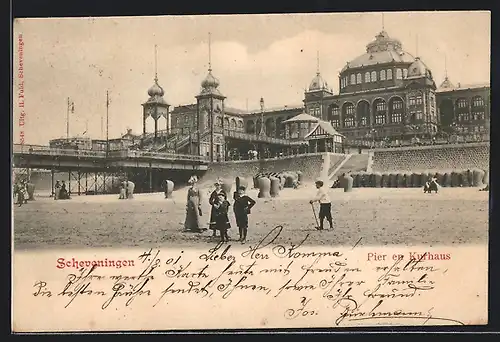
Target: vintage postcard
(250,171)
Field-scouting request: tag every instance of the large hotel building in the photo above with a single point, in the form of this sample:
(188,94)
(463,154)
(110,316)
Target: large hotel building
(386,96)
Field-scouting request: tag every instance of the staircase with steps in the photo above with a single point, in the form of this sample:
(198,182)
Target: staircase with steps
(352,163)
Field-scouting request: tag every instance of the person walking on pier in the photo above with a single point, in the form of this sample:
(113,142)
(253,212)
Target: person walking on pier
(212,201)
(193,207)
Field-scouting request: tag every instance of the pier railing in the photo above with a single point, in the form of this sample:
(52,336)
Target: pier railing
(113,154)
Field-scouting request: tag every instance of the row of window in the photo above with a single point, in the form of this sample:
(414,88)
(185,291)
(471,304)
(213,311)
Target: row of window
(476,129)
(379,106)
(469,116)
(380,119)
(477,101)
(315,111)
(384,132)
(415,100)
(373,76)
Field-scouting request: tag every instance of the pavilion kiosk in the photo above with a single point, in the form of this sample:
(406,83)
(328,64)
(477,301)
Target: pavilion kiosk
(319,135)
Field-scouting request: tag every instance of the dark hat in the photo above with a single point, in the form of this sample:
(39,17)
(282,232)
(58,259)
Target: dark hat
(319,182)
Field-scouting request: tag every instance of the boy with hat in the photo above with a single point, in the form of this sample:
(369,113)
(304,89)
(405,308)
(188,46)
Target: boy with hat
(242,206)
(325,205)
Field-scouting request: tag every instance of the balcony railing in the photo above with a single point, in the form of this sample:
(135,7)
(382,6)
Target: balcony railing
(261,138)
(119,154)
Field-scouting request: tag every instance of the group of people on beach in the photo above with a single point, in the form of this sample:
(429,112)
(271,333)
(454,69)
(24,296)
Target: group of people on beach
(219,214)
(60,191)
(21,192)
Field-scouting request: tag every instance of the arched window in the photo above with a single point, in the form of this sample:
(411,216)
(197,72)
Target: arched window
(396,109)
(405,73)
(399,74)
(358,78)
(380,110)
(374,76)
(218,121)
(381,106)
(349,122)
(367,77)
(333,115)
(382,75)
(397,104)
(349,109)
(389,74)
(353,79)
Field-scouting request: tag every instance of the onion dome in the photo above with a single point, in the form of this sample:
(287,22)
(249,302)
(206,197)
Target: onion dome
(209,85)
(210,81)
(156,90)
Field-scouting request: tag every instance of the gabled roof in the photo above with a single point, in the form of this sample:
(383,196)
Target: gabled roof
(326,127)
(303,117)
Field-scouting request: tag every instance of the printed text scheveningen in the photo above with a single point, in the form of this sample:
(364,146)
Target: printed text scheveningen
(20,93)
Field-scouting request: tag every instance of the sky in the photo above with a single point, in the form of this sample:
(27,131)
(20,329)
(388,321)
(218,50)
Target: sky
(253,56)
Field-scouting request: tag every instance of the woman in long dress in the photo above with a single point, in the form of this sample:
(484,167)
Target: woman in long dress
(193,208)
(212,201)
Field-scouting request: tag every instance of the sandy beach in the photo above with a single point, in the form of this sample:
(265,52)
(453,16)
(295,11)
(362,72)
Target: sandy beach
(378,216)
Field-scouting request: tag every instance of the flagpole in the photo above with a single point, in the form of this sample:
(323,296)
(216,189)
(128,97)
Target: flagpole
(107,122)
(67,120)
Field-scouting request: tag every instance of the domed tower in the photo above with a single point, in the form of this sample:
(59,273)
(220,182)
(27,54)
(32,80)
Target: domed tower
(210,115)
(421,98)
(314,95)
(155,106)
(383,65)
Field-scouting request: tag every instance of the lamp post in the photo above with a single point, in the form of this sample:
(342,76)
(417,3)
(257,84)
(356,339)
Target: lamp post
(262,132)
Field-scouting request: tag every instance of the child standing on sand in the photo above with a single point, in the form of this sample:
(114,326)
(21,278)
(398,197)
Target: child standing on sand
(242,206)
(221,207)
(325,205)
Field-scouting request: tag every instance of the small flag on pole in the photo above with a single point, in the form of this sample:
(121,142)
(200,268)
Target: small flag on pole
(72,107)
